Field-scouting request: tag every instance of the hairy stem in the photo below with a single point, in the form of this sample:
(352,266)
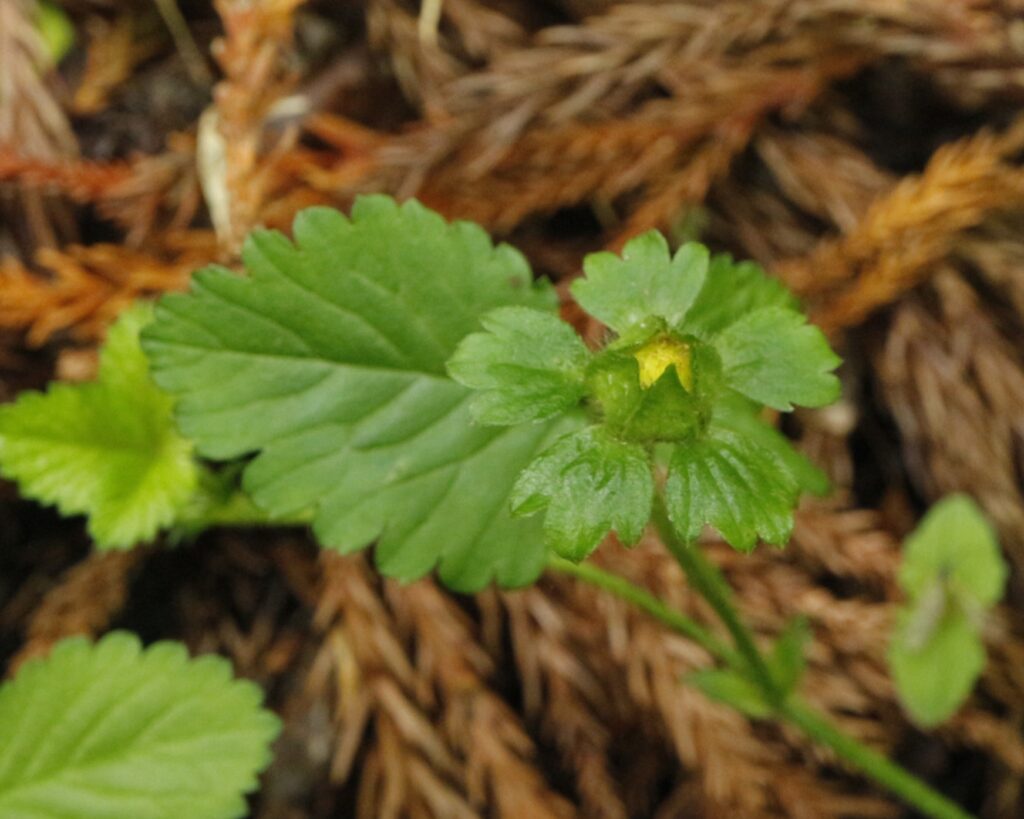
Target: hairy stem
(647,603)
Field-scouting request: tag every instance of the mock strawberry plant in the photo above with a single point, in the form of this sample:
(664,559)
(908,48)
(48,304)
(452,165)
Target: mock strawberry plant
(398,381)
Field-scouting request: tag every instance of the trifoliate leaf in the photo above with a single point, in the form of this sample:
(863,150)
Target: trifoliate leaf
(590,483)
(527,366)
(109,731)
(645,282)
(934,677)
(329,362)
(730,482)
(732,290)
(774,356)
(952,573)
(955,543)
(733,412)
(733,689)
(107,449)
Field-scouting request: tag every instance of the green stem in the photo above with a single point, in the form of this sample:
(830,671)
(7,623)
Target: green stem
(791,709)
(647,603)
(706,579)
(885,772)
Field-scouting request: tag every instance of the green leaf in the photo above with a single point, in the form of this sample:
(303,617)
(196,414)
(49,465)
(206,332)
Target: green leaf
(329,362)
(106,449)
(738,414)
(733,689)
(787,661)
(109,731)
(774,356)
(730,482)
(55,29)
(934,678)
(646,281)
(955,542)
(952,573)
(731,291)
(528,366)
(590,483)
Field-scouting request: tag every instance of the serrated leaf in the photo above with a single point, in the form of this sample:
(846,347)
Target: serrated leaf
(645,281)
(590,483)
(328,361)
(731,688)
(772,355)
(955,543)
(731,291)
(527,366)
(787,660)
(934,678)
(109,731)
(738,414)
(107,449)
(727,481)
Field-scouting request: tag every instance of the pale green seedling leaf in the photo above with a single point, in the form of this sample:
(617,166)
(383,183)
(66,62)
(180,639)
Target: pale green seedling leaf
(527,366)
(112,731)
(107,449)
(934,678)
(772,355)
(328,364)
(591,484)
(728,481)
(956,542)
(733,689)
(646,281)
(952,573)
(731,291)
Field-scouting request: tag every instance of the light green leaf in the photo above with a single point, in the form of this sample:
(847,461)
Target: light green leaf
(106,449)
(109,731)
(952,573)
(731,688)
(731,291)
(934,678)
(787,660)
(590,483)
(527,366)
(646,281)
(774,356)
(328,361)
(730,482)
(954,542)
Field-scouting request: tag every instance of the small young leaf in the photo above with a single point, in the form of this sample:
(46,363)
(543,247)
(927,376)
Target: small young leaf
(952,573)
(590,484)
(731,291)
(107,449)
(328,362)
(109,730)
(527,366)
(935,678)
(730,482)
(727,686)
(774,356)
(787,660)
(956,543)
(646,281)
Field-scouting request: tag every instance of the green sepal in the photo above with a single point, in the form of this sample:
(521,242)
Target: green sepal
(590,483)
(526,366)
